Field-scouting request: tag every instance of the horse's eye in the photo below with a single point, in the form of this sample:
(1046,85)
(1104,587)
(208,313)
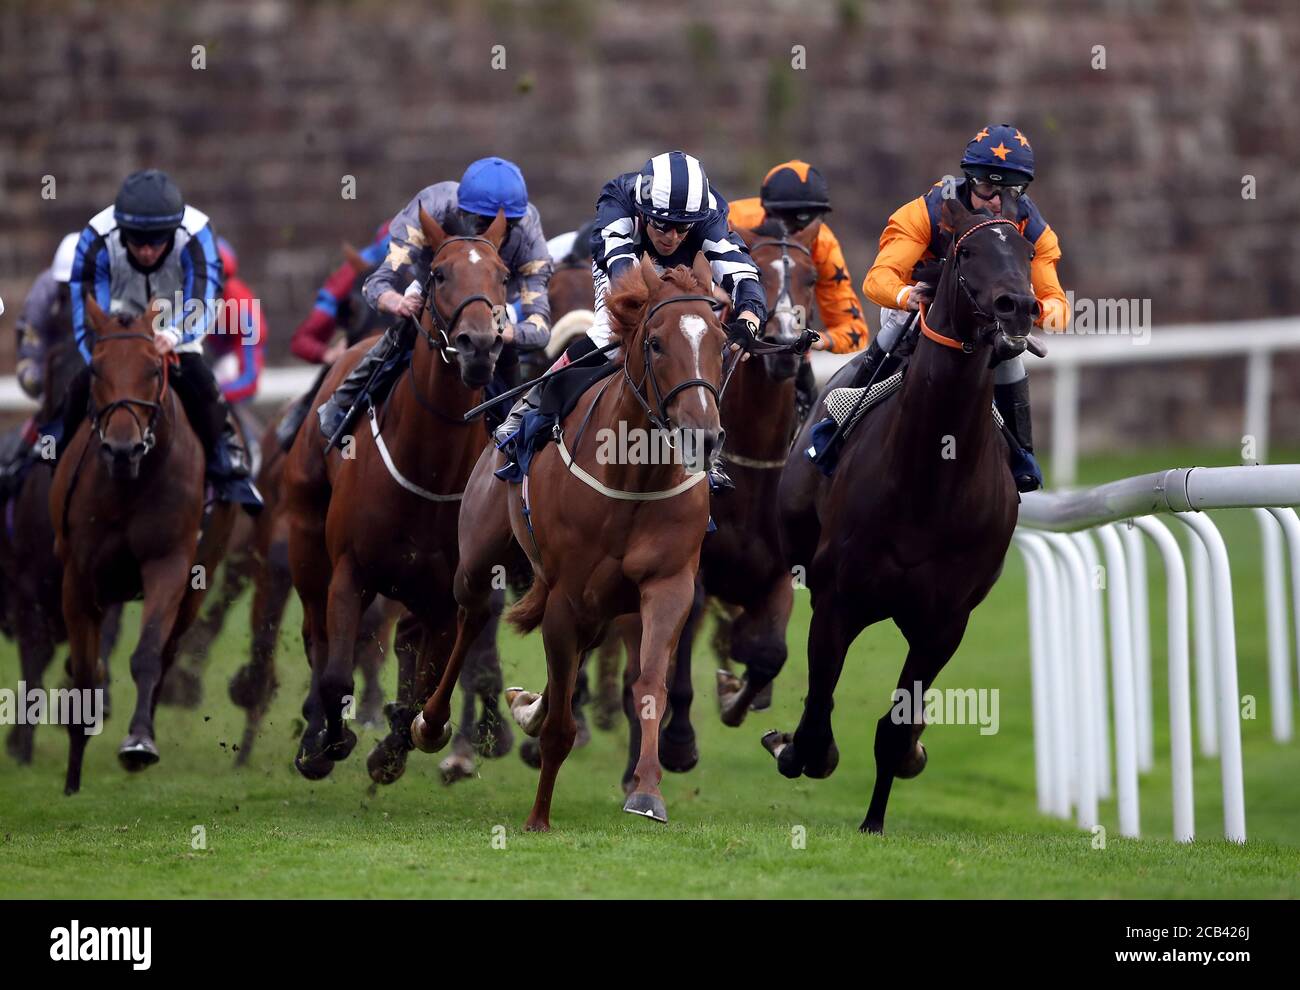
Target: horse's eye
(963,253)
(1031,254)
(505,279)
(439,275)
(655,345)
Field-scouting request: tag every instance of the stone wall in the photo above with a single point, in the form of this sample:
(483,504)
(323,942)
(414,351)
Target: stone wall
(1141,162)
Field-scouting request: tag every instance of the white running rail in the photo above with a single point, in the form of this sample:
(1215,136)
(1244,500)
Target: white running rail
(1073,711)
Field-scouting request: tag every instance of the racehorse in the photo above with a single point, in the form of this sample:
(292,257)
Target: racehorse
(127,504)
(380,516)
(914,523)
(605,539)
(33,575)
(741,563)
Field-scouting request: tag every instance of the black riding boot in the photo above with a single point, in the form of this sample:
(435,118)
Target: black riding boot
(394,341)
(871,360)
(209,415)
(805,392)
(1012,401)
(287,429)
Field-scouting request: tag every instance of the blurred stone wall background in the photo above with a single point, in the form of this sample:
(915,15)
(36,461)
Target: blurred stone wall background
(1141,163)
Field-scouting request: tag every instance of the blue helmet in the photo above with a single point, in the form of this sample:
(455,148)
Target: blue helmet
(1001,154)
(492,184)
(673,187)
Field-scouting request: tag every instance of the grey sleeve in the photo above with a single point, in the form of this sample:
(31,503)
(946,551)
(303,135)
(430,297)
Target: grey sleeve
(531,270)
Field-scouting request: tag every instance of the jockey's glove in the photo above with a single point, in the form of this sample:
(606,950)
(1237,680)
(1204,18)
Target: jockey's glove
(743,332)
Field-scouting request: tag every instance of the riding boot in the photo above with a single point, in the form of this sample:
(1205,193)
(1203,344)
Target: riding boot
(382,353)
(1012,401)
(871,360)
(209,415)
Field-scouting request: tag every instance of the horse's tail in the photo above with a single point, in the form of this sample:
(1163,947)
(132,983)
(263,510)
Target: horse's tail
(526,614)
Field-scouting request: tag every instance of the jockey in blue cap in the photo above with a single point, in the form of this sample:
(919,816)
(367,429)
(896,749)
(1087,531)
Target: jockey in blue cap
(467,207)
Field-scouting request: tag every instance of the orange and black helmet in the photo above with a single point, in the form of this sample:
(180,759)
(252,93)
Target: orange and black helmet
(795,185)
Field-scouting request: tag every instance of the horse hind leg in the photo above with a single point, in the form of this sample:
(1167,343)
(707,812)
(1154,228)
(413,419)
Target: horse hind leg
(898,748)
(678,752)
(83,649)
(253,685)
(347,601)
(169,605)
(757,641)
(35,651)
(370,651)
(387,761)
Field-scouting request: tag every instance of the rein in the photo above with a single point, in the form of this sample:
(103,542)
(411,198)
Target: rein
(661,421)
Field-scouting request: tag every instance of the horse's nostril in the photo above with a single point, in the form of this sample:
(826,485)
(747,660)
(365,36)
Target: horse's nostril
(1004,305)
(463,343)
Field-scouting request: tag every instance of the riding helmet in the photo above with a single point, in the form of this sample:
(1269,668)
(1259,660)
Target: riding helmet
(673,187)
(492,184)
(149,200)
(795,185)
(1000,153)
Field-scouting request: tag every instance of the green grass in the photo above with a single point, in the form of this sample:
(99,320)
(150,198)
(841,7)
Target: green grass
(968,827)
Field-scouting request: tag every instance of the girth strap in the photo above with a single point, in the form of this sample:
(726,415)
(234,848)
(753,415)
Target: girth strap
(691,480)
(397,475)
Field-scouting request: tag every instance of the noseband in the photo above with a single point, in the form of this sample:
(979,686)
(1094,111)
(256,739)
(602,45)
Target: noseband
(146,427)
(428,300)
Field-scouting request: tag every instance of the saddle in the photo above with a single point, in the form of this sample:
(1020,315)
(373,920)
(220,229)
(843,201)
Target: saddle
(559,398)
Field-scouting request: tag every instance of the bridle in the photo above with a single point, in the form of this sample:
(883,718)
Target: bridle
(784,298)
(428,300)
(98,416)
(992,323)
(660,420)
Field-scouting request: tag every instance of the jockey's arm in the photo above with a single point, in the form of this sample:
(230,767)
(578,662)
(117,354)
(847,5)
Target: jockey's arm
(903,243)
(837,303)
(735,271)
(1047,284)
(532,272)
(36,332)
(249,348)
(202,276)
(91,276)
(312,336)
(406,261)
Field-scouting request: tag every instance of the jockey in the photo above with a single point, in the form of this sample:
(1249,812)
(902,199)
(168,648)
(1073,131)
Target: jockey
(46,318)
(313,340)
(150,245)
(796,194)
(237,357)
(997,168)
(669,211)
(467,207)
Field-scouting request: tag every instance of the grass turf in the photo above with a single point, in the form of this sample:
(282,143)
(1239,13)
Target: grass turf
(968,827)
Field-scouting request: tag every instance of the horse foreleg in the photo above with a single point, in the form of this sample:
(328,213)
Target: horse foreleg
(559,729)
(183,685)
(629,639)
(82,619)
(253,685)
(387,761)
(370,650)
(35,651)
(481,681)
(110,628)
(347,600)
(898,748)
(677,749)
(757,641)
(431,729)
(665,605)
(166,582)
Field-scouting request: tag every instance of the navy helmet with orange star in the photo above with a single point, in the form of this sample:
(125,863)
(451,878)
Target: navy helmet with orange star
(999,154)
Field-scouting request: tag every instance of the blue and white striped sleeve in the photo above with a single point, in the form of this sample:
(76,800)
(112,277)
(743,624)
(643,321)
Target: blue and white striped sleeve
(90,274)
(201,274)
(734,269)
(612,238)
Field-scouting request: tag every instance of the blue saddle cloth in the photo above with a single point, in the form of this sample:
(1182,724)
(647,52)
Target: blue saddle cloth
(537,430)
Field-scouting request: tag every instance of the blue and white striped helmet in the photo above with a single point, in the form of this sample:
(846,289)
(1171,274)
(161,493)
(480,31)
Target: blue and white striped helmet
(673,187)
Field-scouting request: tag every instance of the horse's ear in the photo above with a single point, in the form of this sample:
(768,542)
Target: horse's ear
(953,216)
(433,232)
(747,235)
(808,236)
(649,274)
(354,259)
(702,272)
(95,316)
(496,232)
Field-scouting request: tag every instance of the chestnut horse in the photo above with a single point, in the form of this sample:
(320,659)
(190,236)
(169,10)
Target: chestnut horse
(127,504)
(605,539)
(741,563)
(915,521)
(379,516)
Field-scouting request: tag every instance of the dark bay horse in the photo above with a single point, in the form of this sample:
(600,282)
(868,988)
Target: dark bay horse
(379,516)
(741,563)
(610,536)
(127,504)
(915,521)
(29,567)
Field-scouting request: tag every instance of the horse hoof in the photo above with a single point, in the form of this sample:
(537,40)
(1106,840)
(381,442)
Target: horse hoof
(678,756)
(18,744)
(181,688)
(313,768)
(874,826)
(537,825)
(527,708)
(136,753)
(647,806)
(530,751)
(493,738)
(584,732)
(387,761)
(246,690)
(425,740)
(821,769)
(913,764)
(763,700)
(775,742)
(342,749)
(456,767)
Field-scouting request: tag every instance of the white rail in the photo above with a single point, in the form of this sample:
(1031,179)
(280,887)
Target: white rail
(1068,647)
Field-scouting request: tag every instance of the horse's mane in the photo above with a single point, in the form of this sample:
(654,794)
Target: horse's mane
(627,298)
(770,227)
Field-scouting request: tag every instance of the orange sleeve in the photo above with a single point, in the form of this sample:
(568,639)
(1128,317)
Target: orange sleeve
(904,242)
(837,303)
(1047,284)
(747,213)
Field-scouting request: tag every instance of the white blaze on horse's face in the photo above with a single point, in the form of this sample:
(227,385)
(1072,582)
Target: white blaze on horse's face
(784,310)
(694,327)
(474,257)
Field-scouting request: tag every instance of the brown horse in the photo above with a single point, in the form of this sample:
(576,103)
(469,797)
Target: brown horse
(32,573)
(379,516)
(607,536)
(741,563)
(915,521)
(127,504)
